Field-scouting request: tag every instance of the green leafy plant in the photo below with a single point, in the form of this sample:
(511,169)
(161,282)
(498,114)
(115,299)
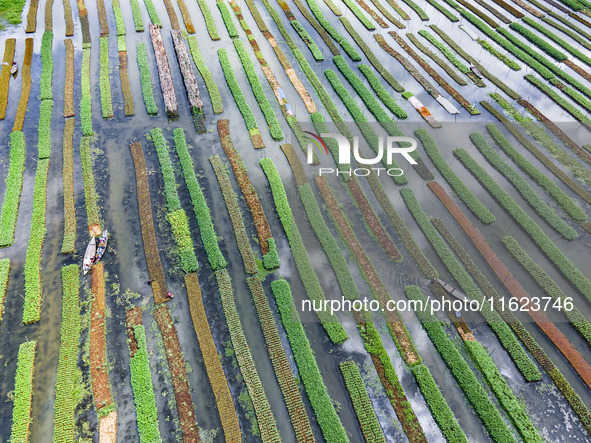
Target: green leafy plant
(14,186)
(316,52)
(104,80)
(46,66)
(44,129)
(227,17)
(173,202)
(152,13)
(146,79)
(137,15)
(360,16)
(381,92)
(86,99)
(23,392)
(4,274)
(210,84)
(90,195)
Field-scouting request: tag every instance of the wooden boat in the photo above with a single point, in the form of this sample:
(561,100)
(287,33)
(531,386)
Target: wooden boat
(456,293)
(89,256)
(102,246)
(14,69)
(476,71)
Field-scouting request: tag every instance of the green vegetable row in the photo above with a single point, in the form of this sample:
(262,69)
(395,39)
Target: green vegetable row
(143,391)
(231,200)
(152,13)
(44,128)
(347,47)
(316,52)
(137,15)
(86,99)
(200,207)
(65,389)
(210,84)
(264,414)
(227,18)
(381,92)
(368,422)
(548,285)
(448,69)
(23,392)
(13,188)
(465,378)
(566,203)
(314,291)
(4,273)
(492,317)
(366,22)
(329,422)
(146,79)
(259,93)
(416,8)
(173,202)
(104,81)
(90,195)
(523,187)
(512,64)
(212,29)
(457,184)
(45,81)
(554,254)
(32,307)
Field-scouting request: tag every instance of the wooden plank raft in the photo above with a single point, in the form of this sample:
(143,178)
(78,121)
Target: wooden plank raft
(166,85)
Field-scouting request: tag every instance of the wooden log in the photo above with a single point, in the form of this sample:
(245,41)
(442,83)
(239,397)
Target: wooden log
(166,85)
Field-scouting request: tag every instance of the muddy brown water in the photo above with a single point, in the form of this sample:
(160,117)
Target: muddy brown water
(125,261)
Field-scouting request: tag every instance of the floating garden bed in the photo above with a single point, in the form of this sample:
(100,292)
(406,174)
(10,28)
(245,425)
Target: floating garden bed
(23,392)
(502,57)
(359,15)
(313,22)
(523,187)
(26,86)
(4,273)
(235,213)
(45,82)
(104,80)
(86,99)
(178,373)
(9,46)
(262,408)
(102,15)
(31,17)
(321,403)
(152,13)
(200,207)
(268,249)
(151,250)
(69,84)
(146,79)
(90,195)
(14,186)
(368,422)
(141,378)
(137,15)
(210,84)
(331,323)
(65,391)
(211,360)
(235,89)
(166,84)
(381,92)
(186,17)
(32,306)
(69,242)
(456,183)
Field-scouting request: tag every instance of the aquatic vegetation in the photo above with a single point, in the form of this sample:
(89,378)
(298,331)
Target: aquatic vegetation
(65,391)
(137,15)
(539,42)
(210,84)
(386,75)
(316,52)
(152,13)
(554,254)
(235,213)
(502,57)
(211,360)
(173,202)
(457,184)
(548,285)
(347,47)
(104,81)
(268,250)
(381,92)
(9,46)
(457,78)
(69,242)
(359,15)
(86,99)
(23,392)
(264,414)
(44,129)
(200,207)
(14,186)
(146,79)
(90,195)
(12,11)
(523,187)
(4,274)
(465,378)
(331,324)
(209,22)
(46,66)
(227,18)
(327,418)
(179,224)
(437,5)
(143,391)
(416,8)
(368,421)
(32,306)
(258,91)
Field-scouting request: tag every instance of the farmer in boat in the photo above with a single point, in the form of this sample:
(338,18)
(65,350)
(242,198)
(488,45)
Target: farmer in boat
(169,295)
(149,282)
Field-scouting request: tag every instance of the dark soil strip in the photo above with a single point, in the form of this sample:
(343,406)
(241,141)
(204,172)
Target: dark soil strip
(580,19)
(215,373)
(528,8)
(496,81)
(49,15)
(174,20)
(99,372)
(5,74)
(26,87)
(83,14)
(69,84)
(125,86)
(166,85)
(69,243)
(577,69)
(151,250)
(479,13)
(133,317)
(387,14)
(448,69)
(250,195)
(515,289)
(587,227)
(493,11)
(186,17)
(178,372)
(102,13)
(444,84)
(68,18)
(32,16)
(373,14)
(287,382)
(507,7)
(518,134)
